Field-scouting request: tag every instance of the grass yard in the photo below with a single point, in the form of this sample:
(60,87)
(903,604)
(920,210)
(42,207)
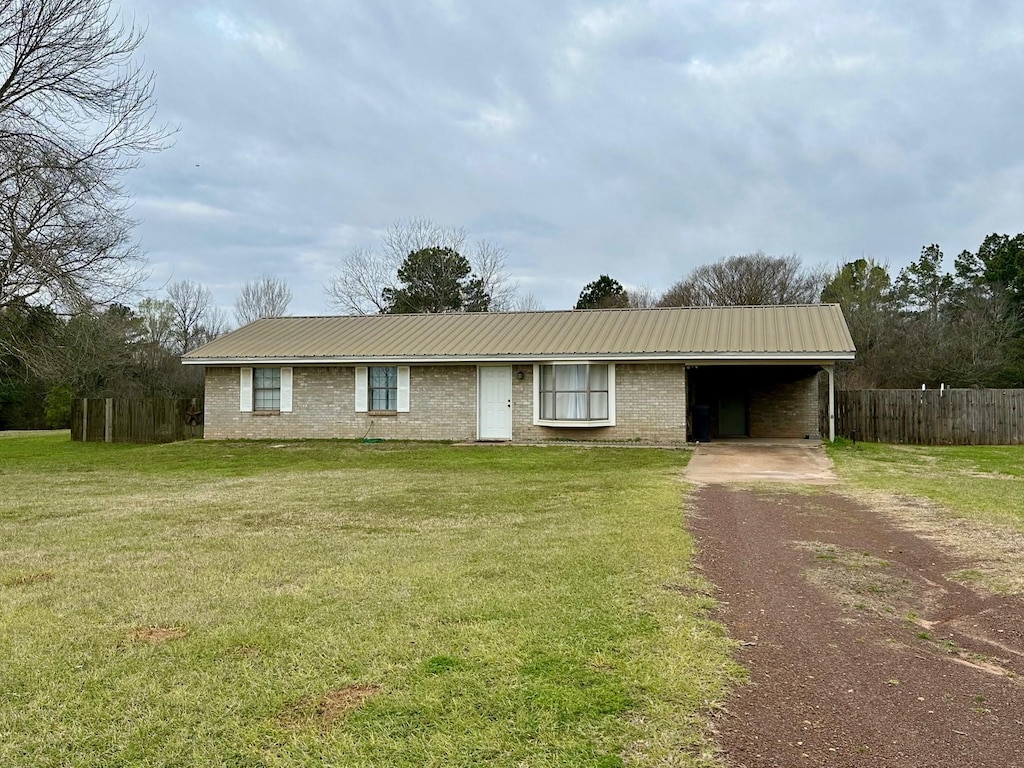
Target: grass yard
(256,604)
(983,483)
(968,498)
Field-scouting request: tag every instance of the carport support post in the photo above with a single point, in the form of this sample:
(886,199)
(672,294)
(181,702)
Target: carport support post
(831,402)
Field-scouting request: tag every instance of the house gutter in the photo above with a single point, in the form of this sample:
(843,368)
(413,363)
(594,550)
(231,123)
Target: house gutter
(695,359)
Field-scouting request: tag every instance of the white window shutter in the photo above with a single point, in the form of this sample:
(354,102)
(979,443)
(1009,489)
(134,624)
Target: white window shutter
(362,384)
(286,390)
(611,394)
(536,392)
(403,389)
(245,390)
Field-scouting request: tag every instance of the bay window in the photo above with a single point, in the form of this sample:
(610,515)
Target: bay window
(575,394)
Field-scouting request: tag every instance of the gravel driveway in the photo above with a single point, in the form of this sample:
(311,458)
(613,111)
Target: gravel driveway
(862,651)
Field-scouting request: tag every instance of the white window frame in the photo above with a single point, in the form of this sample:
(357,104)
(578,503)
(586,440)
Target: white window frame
(246,390)
(538,421)
(362,389)
(382,390)
(269,393)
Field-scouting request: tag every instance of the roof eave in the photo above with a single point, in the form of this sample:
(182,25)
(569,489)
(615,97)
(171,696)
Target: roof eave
(817,358)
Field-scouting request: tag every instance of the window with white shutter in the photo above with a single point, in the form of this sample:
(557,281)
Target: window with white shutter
(382,389)
(245,390)
(361,388)
(286,390)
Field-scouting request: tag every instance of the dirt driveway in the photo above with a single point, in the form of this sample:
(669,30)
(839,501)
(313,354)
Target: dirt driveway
(862,650)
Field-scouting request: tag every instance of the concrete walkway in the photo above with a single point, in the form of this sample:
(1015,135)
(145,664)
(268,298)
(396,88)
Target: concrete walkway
(757,461)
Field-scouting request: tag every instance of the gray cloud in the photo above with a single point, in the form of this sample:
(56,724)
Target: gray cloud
(637,139)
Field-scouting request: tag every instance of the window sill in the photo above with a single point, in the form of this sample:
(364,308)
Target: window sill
(265,413)
(382,413)
(573,424)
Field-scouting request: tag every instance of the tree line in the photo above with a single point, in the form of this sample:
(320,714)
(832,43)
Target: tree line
(47,358)
(963,328)
(750,279)
(925,326)
(77,112)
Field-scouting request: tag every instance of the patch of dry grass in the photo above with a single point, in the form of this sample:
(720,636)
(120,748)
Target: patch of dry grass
(27,579)
(325,710)
(860,581)
(996,552)
(157,634)
(968,500)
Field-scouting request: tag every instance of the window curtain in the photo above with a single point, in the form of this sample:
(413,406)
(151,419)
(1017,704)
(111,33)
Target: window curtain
(575,392)
(598,387)
(570,391)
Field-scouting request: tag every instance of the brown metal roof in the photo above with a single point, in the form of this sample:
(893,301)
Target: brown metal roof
(794,332)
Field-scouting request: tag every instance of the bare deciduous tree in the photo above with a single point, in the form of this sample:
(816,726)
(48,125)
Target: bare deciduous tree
(755,278)
(268,296)
(75,114)
(411,235)
(641,297)
(526,302)
(158,368)
(680,294)
(489,262)
(197,319)
(367,275)
(980,340)
(63,240)
(157,320)
(359,285)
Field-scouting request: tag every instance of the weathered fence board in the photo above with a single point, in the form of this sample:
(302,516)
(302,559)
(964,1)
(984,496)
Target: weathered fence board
(142,420)
(932,417)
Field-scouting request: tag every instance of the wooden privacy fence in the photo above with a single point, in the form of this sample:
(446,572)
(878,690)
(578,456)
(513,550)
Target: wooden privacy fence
(148,420)
(932,417)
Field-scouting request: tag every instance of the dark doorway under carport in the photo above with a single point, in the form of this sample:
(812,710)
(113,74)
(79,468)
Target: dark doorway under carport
(734,401)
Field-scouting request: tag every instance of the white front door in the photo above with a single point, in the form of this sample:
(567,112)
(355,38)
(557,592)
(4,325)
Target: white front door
(494,402)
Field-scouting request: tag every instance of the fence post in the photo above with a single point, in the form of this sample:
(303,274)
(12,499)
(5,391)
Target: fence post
(108,421)
(831,403)
(85,419)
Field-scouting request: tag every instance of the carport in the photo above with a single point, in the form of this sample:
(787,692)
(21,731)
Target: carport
(768,400)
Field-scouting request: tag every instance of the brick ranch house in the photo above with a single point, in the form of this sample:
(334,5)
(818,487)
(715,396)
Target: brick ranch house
(615,374)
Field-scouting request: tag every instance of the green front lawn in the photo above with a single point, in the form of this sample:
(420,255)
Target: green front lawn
(985,483)
(346,604)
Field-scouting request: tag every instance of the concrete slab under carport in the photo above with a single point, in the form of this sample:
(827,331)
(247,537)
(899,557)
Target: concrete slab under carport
(753,460)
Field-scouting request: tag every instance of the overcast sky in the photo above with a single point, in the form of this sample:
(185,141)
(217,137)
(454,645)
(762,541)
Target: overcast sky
(637,139)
